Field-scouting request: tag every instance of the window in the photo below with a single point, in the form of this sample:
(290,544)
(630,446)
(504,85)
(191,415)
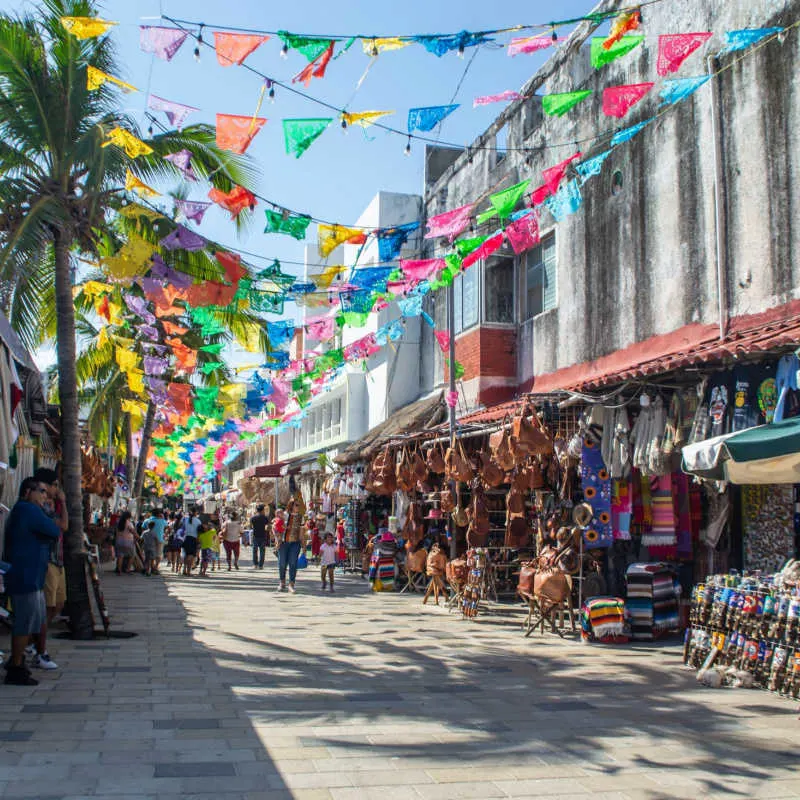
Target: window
(465,292)
(500,290)
(540,277)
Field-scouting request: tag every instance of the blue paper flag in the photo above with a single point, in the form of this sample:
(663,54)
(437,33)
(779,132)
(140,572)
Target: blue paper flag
(372,278)
(390,332)
(280,332)
(673,91)
(567,200)
(739,40)
(278,359)
(426,119)
(592,166)
(410,306)
(439,45)
(359,301)
(628,133)
(391,240)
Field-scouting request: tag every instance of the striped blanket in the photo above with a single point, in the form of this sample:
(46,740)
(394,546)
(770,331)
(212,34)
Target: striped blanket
(603,619)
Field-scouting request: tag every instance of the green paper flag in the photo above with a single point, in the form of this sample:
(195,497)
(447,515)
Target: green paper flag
(601,56)
(310,46)
(485,215)
(354,319)
(299,134)
(505,201)
(291,224)
(556,105)
(465,246)
(214,349)
(267,302)
(210,367)
(273,273)
(459,369)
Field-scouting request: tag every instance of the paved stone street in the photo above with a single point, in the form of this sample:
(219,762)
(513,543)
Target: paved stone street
(233,691)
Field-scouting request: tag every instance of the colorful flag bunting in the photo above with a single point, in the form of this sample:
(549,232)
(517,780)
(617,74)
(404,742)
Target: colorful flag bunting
(427,118)
(443,337)
(125,140)
(331,236)
(373,278)
(567,200)
(192,209)
(235,132)
(626,134)
(450,223)
(274,274)
(439,45)
(233,48)
(416,270)
(504,97)
(235,201)
(591,167)
(315,69)
(161,42)
(310,46)
(674,91)
(601,55)
(523,233)
(553,175)
(184,239)
(373,47)
(530,44)
(324,279)
(136,381)
(95,78)
(299,134)
(556,105)
(618,100)
(322,329)
(86,27)
(505,201)
(625,23)
(364,118)
(491,245)
(232,264)
(675,48)
(466,246)
(182,160)
(734,41)
(391,240)
(294,225)
(176,113)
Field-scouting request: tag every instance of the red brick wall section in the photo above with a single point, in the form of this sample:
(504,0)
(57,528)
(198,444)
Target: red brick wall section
(487,353)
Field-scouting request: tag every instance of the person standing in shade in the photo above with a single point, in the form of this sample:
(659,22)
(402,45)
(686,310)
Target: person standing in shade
(231,536)
(192,525)
(259,524)
(125,543)
(327,555)
(291,542)
(159,526)
(29,536)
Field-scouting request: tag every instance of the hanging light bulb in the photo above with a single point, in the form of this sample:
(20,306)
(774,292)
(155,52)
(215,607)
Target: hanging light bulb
(554,37)
(285,51)
(197,46)
(407,151)
(374,48)
(271,94)
(461,50)
(344,123)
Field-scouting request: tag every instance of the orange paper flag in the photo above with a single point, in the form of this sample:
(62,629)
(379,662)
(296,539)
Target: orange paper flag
(233,48)
(235,132)
(232,264)
(235,201)
(172,329)
(316,69)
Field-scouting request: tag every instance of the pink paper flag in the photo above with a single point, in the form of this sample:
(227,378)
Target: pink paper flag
(530,44)
(176,112)
(192,209)
(183,161)
(443,337)
(674,49)
(506,96)
(451,398)
(618,100)
(449,224)
(539,195)
(553,175)
(399,287)
(421,270)
(162,42)
(322,328)
(523,233)
(491,245)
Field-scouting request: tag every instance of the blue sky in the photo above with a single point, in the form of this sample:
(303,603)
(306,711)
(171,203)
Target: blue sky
(341,172)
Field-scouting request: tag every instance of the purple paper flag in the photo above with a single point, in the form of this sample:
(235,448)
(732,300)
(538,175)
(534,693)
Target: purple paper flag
(184,239)
(152,286)
(176,112)
(139,306)
(157,348)
(158,390)
(149,331)
(183,161)
(192,209)
(180,280)
(154,365)
(162,42)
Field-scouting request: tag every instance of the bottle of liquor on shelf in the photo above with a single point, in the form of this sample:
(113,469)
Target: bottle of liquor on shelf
(792,622)
(778,625)
(767,616)
(777,670)
(748,614)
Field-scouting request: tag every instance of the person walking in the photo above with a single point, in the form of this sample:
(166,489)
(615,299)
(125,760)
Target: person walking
(290,542)
(192,525)
(327,556)
(259,523)
(125,542)
(29,536)
(231,536)
(159,525)
(205,541)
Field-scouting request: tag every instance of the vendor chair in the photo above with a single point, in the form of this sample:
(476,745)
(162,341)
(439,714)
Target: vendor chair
(541,611)
(414,570)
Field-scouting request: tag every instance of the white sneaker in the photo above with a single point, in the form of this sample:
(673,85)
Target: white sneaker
(30,650)
(280,588)
(291,588)
(44,662)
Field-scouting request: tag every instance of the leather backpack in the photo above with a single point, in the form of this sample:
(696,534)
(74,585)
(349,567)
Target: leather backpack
(418,466)
(492,475)
(517,533)
(435,460)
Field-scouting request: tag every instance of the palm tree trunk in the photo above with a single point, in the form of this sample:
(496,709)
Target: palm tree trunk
(77,606)
(141,463)
(128,453)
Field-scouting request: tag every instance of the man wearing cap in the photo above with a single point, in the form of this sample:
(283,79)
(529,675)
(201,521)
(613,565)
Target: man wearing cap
(260,525)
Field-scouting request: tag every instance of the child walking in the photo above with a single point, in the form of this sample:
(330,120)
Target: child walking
(205,541)
(327,556)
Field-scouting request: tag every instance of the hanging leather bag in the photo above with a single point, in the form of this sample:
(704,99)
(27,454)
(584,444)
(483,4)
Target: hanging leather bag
(435,460)
(418,466)
(502,452)
(517,532)
(492,475)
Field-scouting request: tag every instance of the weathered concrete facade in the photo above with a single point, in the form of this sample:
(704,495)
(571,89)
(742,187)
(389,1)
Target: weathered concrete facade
(644,253)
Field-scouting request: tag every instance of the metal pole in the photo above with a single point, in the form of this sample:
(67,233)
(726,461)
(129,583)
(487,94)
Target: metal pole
(451,331)
(720,211)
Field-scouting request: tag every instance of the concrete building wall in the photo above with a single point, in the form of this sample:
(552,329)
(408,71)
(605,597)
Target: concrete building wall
(640,258)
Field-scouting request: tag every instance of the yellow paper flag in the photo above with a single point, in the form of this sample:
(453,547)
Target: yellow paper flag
(132,183)
(133,210)
(373,47)
(94,288)
(250,337)
(364,118)
(132,146)
(328,275)
(133,407)
(331,236)
(115,313)
(95,78)
(132,259)
(102,337)
(128,360)
(86,27)
(136,381)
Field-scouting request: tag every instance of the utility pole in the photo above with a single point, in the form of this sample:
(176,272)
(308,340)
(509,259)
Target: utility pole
(451,326)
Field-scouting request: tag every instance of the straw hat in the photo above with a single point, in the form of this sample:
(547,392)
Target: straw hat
(582,514)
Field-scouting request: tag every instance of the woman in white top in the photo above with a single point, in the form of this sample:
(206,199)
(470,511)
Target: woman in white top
(231,536)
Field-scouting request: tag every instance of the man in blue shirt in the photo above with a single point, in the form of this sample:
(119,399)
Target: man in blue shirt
(159,527)
(30,534)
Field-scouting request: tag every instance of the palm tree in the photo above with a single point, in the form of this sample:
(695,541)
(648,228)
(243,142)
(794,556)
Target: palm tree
(58,188)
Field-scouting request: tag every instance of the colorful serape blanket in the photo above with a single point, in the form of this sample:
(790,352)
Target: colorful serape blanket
(603,619)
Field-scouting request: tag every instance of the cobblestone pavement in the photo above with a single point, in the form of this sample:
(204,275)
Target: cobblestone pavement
(232,691)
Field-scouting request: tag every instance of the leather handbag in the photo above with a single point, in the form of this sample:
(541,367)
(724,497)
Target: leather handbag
(405,473)
(527,575)
(533,472)
(492,475)
(446,501)
(435,460)
(517,532)
(418,466)
(502,451)
(417,560)
(456,571)
(437,562)
(458,466)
